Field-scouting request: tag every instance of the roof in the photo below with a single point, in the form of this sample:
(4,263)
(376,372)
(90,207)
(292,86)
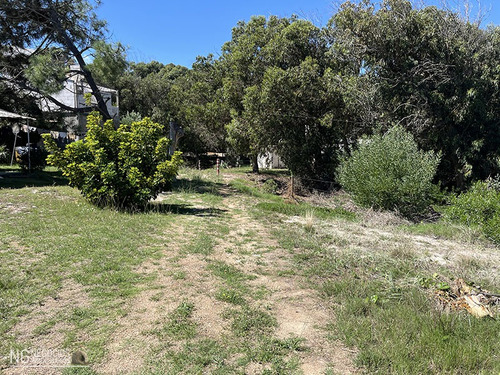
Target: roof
(7,114)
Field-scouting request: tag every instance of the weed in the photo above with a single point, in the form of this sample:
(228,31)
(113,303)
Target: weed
(179,325)
(230,296)
(249,321)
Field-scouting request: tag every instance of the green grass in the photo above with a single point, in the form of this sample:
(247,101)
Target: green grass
(53,235)
(55,244)
(230,295)
(14,178)
(390,317)
(179,325)
(247,188)
(249,321)
(203,243)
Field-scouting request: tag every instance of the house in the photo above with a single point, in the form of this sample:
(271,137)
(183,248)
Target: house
(73,95)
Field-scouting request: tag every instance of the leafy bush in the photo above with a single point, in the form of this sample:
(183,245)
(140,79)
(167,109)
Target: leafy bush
(270,186)
(478,207)
(474,207)
(389,172)
(4,154)
(121,168)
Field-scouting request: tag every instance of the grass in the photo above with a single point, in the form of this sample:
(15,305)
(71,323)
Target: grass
(82,266)
(179,325)
(15,178)
(250,321)
(304,209)
(202,243)
(389,317)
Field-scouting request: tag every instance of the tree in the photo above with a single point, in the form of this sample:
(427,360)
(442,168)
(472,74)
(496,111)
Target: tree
(244,61)
(292,102)
(145,88)
(198,101)
(432,72)
(40,39)
(293,113)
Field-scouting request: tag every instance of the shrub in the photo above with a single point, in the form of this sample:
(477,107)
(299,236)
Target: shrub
(4,154)
(389,172)
(122,168)
(270,186)
(478,207)
(474,207)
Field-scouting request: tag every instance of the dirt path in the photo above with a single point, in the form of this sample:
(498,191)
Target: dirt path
(248,246)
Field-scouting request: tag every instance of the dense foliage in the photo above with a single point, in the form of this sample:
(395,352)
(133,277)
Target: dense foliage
(122,168)
(34,159)
(305,92)
(388,171)
(285,85)
(478,207)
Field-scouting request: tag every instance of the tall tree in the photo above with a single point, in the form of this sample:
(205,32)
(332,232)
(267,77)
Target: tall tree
(432,72)
(198,100)
(39,39)
(244,60)
(146,89)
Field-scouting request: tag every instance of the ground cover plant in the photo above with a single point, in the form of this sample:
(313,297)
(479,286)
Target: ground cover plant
(217,276)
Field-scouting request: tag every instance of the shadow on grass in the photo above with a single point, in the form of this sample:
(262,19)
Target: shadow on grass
(198,186)
(19,179)
(184,209)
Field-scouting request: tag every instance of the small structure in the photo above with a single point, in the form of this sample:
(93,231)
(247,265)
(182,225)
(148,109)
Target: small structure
(270,160)
(14,116)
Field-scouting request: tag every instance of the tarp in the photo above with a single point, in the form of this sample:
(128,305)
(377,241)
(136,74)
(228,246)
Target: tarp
(7,114)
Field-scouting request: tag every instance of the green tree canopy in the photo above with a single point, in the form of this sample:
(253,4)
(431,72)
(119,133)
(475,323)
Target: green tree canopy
(432,72)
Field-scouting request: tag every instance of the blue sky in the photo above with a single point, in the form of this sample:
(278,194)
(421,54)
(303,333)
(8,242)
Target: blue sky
(178,31)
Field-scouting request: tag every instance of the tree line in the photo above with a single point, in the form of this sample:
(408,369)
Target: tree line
(309,93)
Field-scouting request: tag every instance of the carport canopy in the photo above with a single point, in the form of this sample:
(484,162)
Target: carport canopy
(11,115)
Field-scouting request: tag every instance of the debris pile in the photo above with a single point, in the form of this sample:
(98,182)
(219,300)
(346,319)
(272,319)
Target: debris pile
(458,295)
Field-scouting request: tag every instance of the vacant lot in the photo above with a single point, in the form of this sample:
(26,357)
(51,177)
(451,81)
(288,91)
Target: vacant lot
(219,277)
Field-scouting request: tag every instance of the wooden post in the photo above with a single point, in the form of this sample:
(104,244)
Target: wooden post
(292,182)
(218,163)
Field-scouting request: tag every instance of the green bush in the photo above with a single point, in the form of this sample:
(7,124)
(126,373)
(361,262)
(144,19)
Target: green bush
(123,168)
(4,154)
(478,207)
(270,186)
(389,172)
(474,207)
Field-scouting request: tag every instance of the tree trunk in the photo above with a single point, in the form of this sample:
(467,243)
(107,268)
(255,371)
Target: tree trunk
(101,104)
(255,164)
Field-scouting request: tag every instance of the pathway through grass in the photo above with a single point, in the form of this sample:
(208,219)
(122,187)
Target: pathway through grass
(218,277)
